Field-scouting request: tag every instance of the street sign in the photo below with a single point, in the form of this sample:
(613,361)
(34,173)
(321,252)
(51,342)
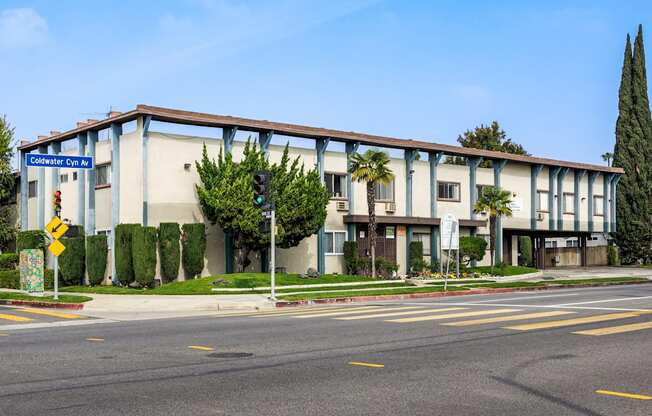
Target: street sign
(56,228)
(38,160)
(450,233)
(56,248)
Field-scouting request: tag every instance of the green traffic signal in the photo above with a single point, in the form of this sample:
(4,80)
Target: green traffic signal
(260,200)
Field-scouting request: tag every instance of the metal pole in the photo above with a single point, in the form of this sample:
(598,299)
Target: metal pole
(448,258)
(273,254)
(56,277)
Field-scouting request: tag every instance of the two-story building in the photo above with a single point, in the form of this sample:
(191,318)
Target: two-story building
(145,173)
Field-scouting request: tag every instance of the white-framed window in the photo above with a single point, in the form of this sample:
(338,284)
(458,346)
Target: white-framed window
(103,175)
(63,178)
(334,242)
(107,233)
(425,241)
(385,191)
(74,176)
(336,184)
(32,189)
(448,191)
(569,203)
(572,243)
(598,205)
(542,201)
(551,244)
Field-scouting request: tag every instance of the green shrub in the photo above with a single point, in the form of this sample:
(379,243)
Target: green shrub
(472,248)
(416,262)
(31,239)
(613,259)
(73,260)
(9,261)
(97,249)
(525,257)
(123,261)
(169,250)
(10,279)
(193,241)
(385,268)
(75,231)
(351,263)
(143,246)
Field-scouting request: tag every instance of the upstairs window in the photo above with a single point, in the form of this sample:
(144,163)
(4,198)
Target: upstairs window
(63,178)
(336,185)
(598,205)
(542,201)
(385,192)
(31,192)
(103,175)
(448,191)
(569,203)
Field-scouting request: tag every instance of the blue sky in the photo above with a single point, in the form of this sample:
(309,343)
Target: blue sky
(547,71)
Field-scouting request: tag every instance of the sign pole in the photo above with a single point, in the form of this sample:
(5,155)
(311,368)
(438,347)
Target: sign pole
(273,253)
(448,258)
(56,277)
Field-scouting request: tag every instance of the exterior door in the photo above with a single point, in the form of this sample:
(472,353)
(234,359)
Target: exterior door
(385,241)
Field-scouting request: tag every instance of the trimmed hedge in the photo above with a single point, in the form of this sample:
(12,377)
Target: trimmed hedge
(193,241)
(416,262)
(9,261)
(123,261)
(351,262)
(525,257)
(472,248)
(97,249)
(169,250)
(72,261)
(10,279)
(143,250)
(31,239)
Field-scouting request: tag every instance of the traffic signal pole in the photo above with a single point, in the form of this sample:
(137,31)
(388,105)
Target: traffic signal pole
(273,253)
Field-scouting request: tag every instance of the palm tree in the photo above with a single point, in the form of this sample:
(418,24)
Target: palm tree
(608,157)
(372,168)
(495,202)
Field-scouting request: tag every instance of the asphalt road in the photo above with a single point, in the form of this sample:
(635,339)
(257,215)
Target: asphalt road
(564,352)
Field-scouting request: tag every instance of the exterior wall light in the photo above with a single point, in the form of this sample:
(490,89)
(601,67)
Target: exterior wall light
(186,166)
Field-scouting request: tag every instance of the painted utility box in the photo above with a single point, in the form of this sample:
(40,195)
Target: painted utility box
(31,272)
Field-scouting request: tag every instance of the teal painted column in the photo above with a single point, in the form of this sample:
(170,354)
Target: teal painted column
(473,163)
(320,147)
(81,182)
(40,189)
(560,198)
(350,148)
(24,192)
(591,178)
(409,156)
(498,165)
(228,135)
(408,239)
(145,141)
(264,139)
(614,185)
(90,214)
(552,180)
(433,160)
(534,175)
(115,131)
(577,177)
(606,180)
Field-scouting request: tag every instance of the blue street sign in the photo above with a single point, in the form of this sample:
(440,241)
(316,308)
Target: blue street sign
(59,161)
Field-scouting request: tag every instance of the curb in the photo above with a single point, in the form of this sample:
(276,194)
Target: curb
(353,299)
(39,304)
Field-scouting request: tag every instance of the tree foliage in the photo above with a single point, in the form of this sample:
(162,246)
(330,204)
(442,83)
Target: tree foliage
(7,208)
(491,137)
(495,202)
(226,197)
(472,249)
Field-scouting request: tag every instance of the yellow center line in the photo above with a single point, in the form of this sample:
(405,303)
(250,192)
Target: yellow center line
(50,313)
(625,395)
(14,318)
(95,339)
(361,364)
(200,348)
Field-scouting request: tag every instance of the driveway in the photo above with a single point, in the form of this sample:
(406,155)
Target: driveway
(593,272)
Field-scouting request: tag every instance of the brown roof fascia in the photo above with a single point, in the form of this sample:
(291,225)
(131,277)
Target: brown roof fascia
(400,220)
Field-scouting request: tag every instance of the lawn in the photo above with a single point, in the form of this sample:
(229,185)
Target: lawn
(50,299)
(502,271)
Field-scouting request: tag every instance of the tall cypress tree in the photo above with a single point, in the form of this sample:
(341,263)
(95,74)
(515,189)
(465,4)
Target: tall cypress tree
(632,153)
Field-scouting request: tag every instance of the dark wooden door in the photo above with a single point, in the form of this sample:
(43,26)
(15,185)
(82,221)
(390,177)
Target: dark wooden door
(385,241)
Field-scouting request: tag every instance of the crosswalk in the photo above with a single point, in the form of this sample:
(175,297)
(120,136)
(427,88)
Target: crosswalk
(18,315)
(519,319)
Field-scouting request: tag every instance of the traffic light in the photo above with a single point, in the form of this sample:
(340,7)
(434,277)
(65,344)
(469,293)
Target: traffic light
(262,183)
(56,203)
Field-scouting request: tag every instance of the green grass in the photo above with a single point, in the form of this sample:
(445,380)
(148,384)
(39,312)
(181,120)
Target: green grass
(50,299)
(503,271)
(460,281)
(380,292)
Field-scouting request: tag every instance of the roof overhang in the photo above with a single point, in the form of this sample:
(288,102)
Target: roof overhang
(400,220)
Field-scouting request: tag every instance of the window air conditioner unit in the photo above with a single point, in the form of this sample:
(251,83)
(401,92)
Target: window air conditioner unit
(390,207)
(539,216)
(342,205)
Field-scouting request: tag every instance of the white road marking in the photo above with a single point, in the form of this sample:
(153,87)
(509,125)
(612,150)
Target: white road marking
(529,297)
(606,300)
(510,305)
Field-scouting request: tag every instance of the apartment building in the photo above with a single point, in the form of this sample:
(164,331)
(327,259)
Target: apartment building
(145,173)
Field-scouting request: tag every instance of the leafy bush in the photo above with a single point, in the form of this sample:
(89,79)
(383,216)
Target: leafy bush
(75,231)
(169,250)
(97,249)
(143,246)
(10,279)
(416,262)
(385,267)
(351,263)
(525,251)
(613,259)
(31,239)
(9,261)
(193,241)
(72,261)
(472,248)
(123,261)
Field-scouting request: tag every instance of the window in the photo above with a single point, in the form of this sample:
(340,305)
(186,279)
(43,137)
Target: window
(425,242)
(481,189)
(31,192)
(390,232)
(598,205)
(336,184)
(63,178)
(569,203)
(385,191)
(551,244)
(103,175)
(74,176)
(335,242)
(572,243)
(448,191)
(542,201)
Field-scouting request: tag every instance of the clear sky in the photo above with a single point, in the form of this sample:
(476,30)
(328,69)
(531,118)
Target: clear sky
(547,71)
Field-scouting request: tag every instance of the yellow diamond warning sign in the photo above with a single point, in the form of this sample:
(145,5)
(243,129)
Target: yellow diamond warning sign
(56,248)
(56,228)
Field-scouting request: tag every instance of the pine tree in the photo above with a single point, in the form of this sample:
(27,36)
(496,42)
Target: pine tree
(632,153)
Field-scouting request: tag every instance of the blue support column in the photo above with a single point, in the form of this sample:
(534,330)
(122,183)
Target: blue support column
(115,131)
(410,156)
(606,180)
(264,139)
(24,193)
(81,182)
(534,175)
(320,147)
(560,198)
(40,188)
(90,215)
(592,177)
(473,163)
(433,160)
(577,177)
(228,135)
(350,148)
(552,180)
(498,165)
(145,140)
(614,194)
